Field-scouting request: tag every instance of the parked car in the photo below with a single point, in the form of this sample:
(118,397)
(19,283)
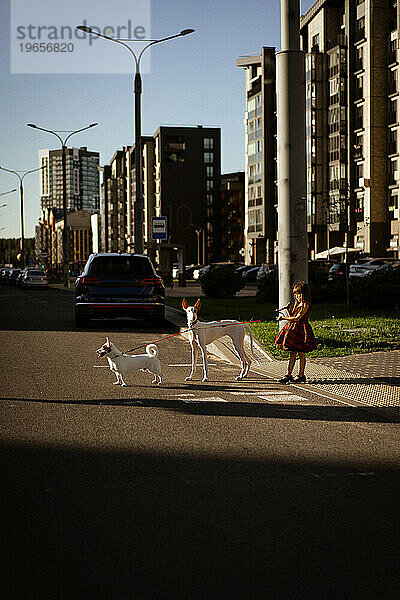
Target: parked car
(13,275)
(219,264)
(265,270)
(33,277)
(250,275)
(18,281)
(244,268)
(190,271)
(337,272)
(366,265)
(318,270)
(119,285)
(4,273)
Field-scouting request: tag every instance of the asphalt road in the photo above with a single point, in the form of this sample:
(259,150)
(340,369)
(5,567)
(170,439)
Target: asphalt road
(191,490)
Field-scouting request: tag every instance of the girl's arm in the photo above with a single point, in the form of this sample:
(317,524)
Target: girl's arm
(302,309)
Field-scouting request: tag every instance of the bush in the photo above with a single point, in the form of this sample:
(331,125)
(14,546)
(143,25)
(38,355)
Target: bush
(221,281)
(378,289)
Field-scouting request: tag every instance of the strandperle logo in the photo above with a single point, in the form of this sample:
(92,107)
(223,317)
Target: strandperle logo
(50,33)
(44,37)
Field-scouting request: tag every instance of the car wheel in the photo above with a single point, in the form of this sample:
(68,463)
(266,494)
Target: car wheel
(81,322)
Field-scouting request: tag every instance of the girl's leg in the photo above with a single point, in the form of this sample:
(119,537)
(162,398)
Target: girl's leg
(292,361)
(302,357)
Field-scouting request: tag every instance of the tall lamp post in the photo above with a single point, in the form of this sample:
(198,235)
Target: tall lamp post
(21,176)
(65,236)
(8,192)
(138,206)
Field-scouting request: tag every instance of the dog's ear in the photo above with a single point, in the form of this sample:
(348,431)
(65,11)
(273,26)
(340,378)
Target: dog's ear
(184,304)
(107,339)
(197,305)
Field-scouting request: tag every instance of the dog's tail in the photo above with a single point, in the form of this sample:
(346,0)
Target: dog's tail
(152,350)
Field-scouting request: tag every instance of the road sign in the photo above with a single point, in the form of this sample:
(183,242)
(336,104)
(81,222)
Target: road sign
(159,228)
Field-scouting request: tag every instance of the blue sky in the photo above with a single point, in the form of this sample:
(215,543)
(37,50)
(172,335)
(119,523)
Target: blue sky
(193,80)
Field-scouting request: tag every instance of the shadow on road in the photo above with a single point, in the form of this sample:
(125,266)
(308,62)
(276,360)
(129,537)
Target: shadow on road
(104,525)
(232,409)
(53,310)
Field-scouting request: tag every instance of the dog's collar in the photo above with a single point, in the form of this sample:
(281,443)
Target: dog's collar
(194,323)
(108,354)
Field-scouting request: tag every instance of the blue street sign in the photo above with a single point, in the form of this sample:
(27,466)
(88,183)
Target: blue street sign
(158,228)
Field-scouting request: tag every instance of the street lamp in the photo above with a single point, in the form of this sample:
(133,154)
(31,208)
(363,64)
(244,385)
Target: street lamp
(21,175)
(65,237)
(138,206)
(9,192)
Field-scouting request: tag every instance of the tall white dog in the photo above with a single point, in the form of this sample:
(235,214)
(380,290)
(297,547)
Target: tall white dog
(205,332)
(125,364)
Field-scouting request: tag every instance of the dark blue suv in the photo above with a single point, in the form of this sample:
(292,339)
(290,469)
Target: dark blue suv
(119,285)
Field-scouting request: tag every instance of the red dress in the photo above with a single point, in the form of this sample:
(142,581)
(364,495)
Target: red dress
(297,336)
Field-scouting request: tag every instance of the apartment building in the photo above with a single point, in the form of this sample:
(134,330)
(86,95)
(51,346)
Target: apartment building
(181,181)
(260,156)
(114,196)
(83,182)
(187,181)
(352,90)
(232,211)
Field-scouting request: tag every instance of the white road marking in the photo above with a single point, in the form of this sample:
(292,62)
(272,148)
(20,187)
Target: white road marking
(182,395)
(257,393)
(101,367)
(282,398)
(189,365)
(211,399)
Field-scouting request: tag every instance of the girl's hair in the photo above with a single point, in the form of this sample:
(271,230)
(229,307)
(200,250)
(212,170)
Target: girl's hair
(304,289)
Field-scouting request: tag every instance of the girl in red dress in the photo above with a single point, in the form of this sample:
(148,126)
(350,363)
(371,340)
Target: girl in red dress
(297,335)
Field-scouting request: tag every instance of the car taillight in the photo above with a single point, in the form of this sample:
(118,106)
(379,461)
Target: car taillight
(152,281)
(87,280)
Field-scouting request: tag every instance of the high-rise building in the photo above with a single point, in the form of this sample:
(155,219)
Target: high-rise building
(113,203)
(181,181)
(352,122)
(82,171)
(187,180)
(232,211)
(260,156)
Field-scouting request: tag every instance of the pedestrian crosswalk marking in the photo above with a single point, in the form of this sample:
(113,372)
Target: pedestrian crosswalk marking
(284,397)
(211,399)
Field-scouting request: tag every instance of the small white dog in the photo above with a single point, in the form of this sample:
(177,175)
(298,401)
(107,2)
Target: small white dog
(205,332)
(124,364)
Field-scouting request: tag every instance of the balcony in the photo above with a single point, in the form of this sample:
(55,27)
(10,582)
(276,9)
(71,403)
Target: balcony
(392,147)
(255,88)
(358,123)
(392,117)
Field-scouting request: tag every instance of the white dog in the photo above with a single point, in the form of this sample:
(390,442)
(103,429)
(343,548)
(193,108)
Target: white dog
(124,364)
(203,333)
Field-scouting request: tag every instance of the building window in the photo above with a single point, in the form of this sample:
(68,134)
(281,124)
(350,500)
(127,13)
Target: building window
(210,184)
(208,143)
(315,43)
(208,157)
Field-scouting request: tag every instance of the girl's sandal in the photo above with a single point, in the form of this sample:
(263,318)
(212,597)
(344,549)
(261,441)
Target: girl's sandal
(286,379)
(300,379)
